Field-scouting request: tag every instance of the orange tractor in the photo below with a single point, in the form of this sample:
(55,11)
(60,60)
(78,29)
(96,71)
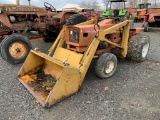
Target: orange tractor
(141,11)
(53,77)
(151,18)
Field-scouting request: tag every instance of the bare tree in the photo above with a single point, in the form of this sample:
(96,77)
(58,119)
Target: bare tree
(105,2)
(155,3)
(29,2)
(95,5)
(18,2)
(90,4)
(134,3)
(83,4)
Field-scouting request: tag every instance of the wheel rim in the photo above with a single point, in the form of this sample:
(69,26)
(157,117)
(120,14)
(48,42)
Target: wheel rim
(147,27)
(109,67)
(18,50)
(145,50)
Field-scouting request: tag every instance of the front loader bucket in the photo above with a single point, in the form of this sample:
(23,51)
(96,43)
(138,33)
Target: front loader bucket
(49,80)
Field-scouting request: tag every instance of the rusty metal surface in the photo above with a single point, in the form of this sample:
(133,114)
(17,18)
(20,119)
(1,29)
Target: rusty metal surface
(86,34)
(134,31)
(17,50)
(11,8)
(22,18)
(90,32)
(152,15)
(4,20)
(34,39)
(153,10)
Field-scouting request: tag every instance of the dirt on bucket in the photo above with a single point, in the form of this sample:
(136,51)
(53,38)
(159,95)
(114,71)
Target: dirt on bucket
(42,83)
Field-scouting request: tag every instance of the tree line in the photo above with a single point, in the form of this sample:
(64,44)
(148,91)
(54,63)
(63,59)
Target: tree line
(94,4)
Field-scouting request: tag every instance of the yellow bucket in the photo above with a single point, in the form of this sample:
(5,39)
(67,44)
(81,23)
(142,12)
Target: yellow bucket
(51,79)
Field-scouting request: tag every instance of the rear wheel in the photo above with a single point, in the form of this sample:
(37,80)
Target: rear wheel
(106,65)
(76,19)
(15,48)
(138,47)
(146,27)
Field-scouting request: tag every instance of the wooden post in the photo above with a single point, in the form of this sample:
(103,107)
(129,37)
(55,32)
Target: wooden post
(17,2)
(29,2)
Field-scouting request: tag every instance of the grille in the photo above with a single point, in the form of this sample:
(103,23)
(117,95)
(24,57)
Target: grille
(74,36)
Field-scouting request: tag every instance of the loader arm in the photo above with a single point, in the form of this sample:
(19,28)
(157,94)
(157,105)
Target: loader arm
(125,36)
(100,36)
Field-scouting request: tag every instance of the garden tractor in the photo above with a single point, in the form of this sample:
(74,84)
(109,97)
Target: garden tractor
(52,77)
(116,13)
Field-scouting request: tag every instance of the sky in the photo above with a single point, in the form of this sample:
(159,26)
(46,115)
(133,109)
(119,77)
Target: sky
(56,3)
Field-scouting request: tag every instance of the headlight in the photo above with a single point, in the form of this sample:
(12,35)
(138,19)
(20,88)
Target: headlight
(74,35)
(1,10)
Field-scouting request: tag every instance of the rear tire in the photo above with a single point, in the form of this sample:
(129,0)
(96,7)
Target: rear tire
(106,65)
(76,19)
(146,27)
(15,48)
(138,47)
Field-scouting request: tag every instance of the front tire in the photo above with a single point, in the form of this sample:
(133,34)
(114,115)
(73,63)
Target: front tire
(15,48)
(138,47)
(146,27)
(106,65)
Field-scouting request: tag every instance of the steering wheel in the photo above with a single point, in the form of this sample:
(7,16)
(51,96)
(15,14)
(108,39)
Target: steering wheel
(49,6)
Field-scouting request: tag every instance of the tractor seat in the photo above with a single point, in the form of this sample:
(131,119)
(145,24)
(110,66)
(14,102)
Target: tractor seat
(116,12)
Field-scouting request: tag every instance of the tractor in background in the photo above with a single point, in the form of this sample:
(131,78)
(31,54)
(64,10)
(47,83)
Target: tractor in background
(117,14)
(150,17)
(17,20)
(141,11)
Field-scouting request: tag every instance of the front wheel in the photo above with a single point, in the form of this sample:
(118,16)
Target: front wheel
(106,65)
(15,48)
(146,27)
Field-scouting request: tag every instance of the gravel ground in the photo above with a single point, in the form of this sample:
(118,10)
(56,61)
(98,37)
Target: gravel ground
(133,94)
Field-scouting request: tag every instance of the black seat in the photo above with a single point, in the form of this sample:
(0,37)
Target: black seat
(116,12)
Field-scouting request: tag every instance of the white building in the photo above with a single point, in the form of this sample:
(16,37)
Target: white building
(71,7)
